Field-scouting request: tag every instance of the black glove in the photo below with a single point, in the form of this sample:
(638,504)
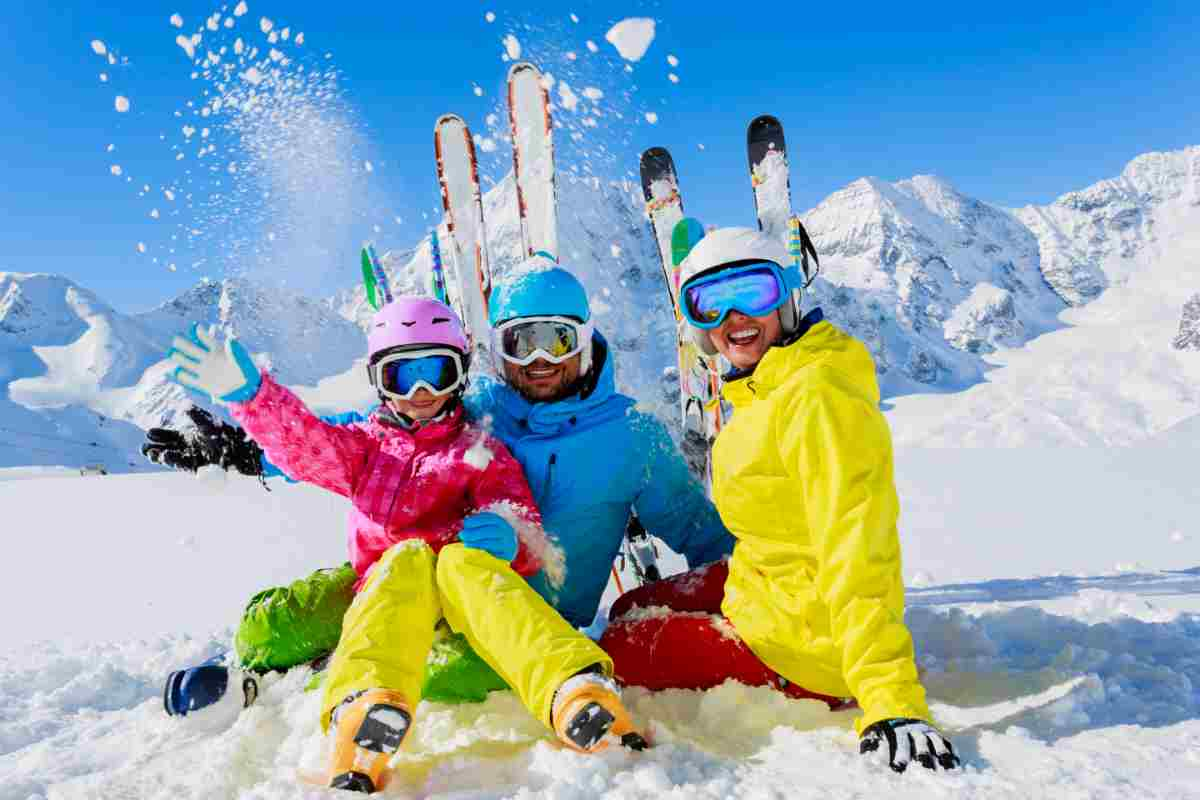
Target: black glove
(906,740)
(209,442)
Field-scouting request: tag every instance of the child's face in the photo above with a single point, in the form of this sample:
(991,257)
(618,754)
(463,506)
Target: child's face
(423,405)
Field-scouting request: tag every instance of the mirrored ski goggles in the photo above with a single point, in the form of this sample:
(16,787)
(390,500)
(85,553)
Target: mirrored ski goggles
(526,339)
(399,375)
(754,288)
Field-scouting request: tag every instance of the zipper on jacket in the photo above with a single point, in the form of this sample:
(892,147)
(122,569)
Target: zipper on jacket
(549,480)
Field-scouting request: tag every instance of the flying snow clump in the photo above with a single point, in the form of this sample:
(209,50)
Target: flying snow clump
(631,37)
(512,47)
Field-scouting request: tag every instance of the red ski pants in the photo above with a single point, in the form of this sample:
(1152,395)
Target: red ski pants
(671,634)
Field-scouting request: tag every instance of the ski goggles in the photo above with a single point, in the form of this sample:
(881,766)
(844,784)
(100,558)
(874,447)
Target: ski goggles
(523,340)
(754,288)
(437,370)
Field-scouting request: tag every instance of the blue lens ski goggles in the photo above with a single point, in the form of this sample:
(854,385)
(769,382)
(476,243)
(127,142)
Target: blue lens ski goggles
(437,370)
(754,288)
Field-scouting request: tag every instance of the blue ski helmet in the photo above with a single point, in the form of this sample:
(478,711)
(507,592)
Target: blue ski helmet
(539,288)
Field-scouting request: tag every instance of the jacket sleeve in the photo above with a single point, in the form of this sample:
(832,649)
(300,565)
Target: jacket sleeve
(305,448)
(269,470)
(837,448)
(501,488)
(671,503)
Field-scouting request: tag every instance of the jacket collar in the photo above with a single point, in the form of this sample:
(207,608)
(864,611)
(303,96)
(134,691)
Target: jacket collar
(822,342)
(441,428)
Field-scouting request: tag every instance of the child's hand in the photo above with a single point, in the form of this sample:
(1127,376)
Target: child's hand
(227,374)
(490,533)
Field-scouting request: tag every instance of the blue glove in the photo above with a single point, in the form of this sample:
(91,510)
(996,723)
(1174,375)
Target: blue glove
(490,533)
(227,374)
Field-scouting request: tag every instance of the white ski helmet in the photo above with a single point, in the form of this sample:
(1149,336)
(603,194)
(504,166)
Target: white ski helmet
(730,247)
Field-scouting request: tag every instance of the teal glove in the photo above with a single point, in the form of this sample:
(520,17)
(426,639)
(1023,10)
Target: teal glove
(490,533)
(226,374)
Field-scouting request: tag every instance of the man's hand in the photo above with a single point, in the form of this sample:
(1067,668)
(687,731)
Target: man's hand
(907,740)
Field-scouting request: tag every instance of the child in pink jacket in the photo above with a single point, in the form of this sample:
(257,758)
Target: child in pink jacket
(444,527)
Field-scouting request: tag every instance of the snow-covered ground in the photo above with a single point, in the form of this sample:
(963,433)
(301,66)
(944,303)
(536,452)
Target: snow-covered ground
(1053,598)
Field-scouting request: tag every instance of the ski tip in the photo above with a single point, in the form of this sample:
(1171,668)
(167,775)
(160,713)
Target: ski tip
(445,119)
(523,66)
(657,155)
(765,121)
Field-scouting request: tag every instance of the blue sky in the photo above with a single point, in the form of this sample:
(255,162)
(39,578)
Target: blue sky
(1013,104)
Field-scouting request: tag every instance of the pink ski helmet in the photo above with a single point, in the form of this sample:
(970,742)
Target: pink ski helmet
(412,322)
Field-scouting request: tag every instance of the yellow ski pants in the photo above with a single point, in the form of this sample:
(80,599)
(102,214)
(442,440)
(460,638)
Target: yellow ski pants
(388,631)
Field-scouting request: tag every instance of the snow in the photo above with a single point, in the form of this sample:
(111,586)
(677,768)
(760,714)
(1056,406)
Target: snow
(631,37)
(186,44)
(512,47)
(1037,680)
(121,103)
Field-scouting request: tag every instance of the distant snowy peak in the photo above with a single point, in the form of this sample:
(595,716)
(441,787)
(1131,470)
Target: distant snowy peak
(929,277)
(39,307)
(1089,238)
(300,340)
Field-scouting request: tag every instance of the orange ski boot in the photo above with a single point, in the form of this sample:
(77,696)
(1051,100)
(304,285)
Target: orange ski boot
(588,715)
(368,730)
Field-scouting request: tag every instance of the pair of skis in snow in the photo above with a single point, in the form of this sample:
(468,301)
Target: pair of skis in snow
(699,375)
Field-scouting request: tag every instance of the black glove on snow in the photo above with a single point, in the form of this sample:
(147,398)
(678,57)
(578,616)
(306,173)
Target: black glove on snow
(210,442)
(906,740)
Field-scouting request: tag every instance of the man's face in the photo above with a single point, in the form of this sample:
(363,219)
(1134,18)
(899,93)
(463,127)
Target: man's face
(543,382)
(743,340)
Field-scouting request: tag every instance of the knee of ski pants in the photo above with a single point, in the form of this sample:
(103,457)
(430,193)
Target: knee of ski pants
(389,630)
(285,626)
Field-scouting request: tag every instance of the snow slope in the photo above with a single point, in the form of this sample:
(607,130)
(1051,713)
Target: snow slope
(1112,377)
(1054,602)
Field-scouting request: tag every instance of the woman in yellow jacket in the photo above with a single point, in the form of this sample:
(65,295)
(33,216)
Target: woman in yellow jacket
(802,476)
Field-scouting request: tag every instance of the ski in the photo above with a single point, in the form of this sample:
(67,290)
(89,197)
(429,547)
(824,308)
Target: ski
(437,274)
(458,176)
(767,152)
(699,379)
(375,280)
(533,159)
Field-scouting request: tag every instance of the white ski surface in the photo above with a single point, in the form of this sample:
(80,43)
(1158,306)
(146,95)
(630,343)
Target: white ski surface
(533,158)
(465,249)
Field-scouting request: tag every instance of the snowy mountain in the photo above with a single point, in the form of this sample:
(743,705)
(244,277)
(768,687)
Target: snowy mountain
(988,326)
(79,382)
(929,278)
(1129,248)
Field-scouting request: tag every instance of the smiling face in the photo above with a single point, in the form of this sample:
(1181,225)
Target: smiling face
(543,382)
(744,340)
(423,405)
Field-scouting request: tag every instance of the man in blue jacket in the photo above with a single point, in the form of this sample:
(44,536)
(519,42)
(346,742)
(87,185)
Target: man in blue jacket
(590,457)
